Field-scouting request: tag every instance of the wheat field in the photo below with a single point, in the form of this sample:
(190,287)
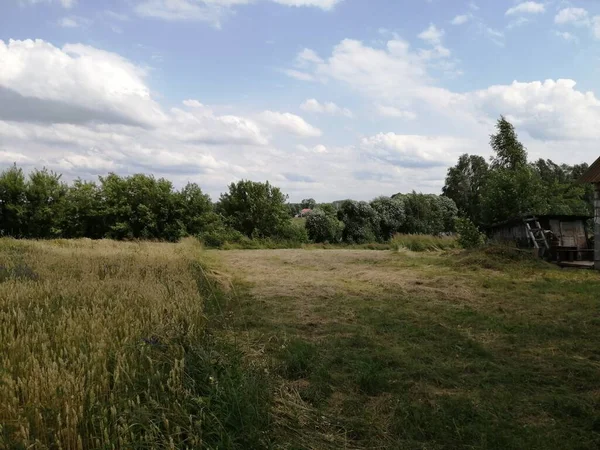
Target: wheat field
(93,338)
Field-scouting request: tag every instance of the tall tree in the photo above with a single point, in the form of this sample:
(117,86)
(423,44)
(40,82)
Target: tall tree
(308,203)
(464,185)
(255,209)
(13,202)
(509,152)
(45,204)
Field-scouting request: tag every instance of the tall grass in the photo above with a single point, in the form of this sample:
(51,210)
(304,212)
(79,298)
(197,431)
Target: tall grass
(423,242)
(103,345)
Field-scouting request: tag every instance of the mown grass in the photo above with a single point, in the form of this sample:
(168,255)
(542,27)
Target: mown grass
(107,345)
(485,349)
(423,242)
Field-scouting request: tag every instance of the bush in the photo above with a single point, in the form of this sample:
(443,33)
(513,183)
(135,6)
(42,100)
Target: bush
(323,227)
(360,222)
(390,215)
(293,231)
(469,235)
(423,242)
(219,236)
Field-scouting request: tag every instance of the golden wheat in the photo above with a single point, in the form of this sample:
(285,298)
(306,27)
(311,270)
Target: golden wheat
(80,322)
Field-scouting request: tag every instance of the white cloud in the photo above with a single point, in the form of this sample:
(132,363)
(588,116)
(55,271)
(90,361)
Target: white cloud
(461,19)
(574,16)
(68,4)
(92,84)
(432,35)
(288,123)
(323,4)
(596,26)
(527,8)
(413,150)
(549,110)
(74,22)
(313,105)
(391,111)
(566,36)
(316,149)
(212,11)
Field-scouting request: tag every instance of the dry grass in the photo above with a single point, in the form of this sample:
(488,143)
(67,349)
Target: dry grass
(103,346)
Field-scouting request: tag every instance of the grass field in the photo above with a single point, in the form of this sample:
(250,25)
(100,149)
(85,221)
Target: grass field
(107,345)
(424,351)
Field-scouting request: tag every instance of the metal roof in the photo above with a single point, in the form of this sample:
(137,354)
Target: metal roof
(593,174)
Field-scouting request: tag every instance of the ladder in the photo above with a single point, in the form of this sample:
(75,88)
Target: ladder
(536,233)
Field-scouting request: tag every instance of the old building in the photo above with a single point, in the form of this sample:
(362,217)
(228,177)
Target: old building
(559,238)
(593,176)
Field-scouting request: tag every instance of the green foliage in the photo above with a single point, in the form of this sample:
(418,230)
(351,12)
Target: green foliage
(390,216)
(469,235)
(254,209)
(13,202)
(360,222)
(84,212)
(464,185)
(294,231)
(308,203)
(427,213)
(323,227)
(512,193)
(423,242)
(219,235)
(509,152)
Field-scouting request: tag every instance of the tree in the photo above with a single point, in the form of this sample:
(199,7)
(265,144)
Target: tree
(13,201)
(510,153)
(464,185)
(45,195)
(194,209)
(322,226)
(360,222)
(84,211)
(427,213)
(390,215)
(308,203)
(254,209)
(513,193)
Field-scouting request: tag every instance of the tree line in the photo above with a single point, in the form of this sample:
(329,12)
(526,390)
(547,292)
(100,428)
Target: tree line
(40,205)
(510,186)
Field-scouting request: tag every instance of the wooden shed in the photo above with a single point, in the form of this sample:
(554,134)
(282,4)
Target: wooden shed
(558,238)
(593,176)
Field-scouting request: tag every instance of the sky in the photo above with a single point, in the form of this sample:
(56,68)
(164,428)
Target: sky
(327,99)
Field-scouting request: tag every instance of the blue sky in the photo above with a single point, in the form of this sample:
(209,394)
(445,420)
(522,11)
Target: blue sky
(325,98)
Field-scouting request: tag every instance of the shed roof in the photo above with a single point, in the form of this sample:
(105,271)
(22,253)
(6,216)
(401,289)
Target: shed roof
(593,174)
(520,220)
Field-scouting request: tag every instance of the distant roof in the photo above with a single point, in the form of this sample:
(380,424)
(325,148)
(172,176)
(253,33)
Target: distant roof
(561,217)
(593,174)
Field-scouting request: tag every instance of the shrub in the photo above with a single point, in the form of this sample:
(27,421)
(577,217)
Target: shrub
(293,231)
(390,216)
(217,237)
(423,242)
(323,227)
(360,222)
(469,235)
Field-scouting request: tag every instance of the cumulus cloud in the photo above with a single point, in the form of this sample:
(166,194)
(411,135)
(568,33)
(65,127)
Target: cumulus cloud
(527,8)
(461,19)
(68,4)
(413,150)
(288,123)
(73,22)
(391,111)
(313,105)
(548,110)
(574,16)
(98,85)
(432,35)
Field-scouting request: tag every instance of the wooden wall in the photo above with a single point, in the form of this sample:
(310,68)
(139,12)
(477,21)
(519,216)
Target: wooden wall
(597,227)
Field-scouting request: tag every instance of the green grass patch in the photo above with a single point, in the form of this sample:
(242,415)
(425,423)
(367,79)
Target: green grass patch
(423,242)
